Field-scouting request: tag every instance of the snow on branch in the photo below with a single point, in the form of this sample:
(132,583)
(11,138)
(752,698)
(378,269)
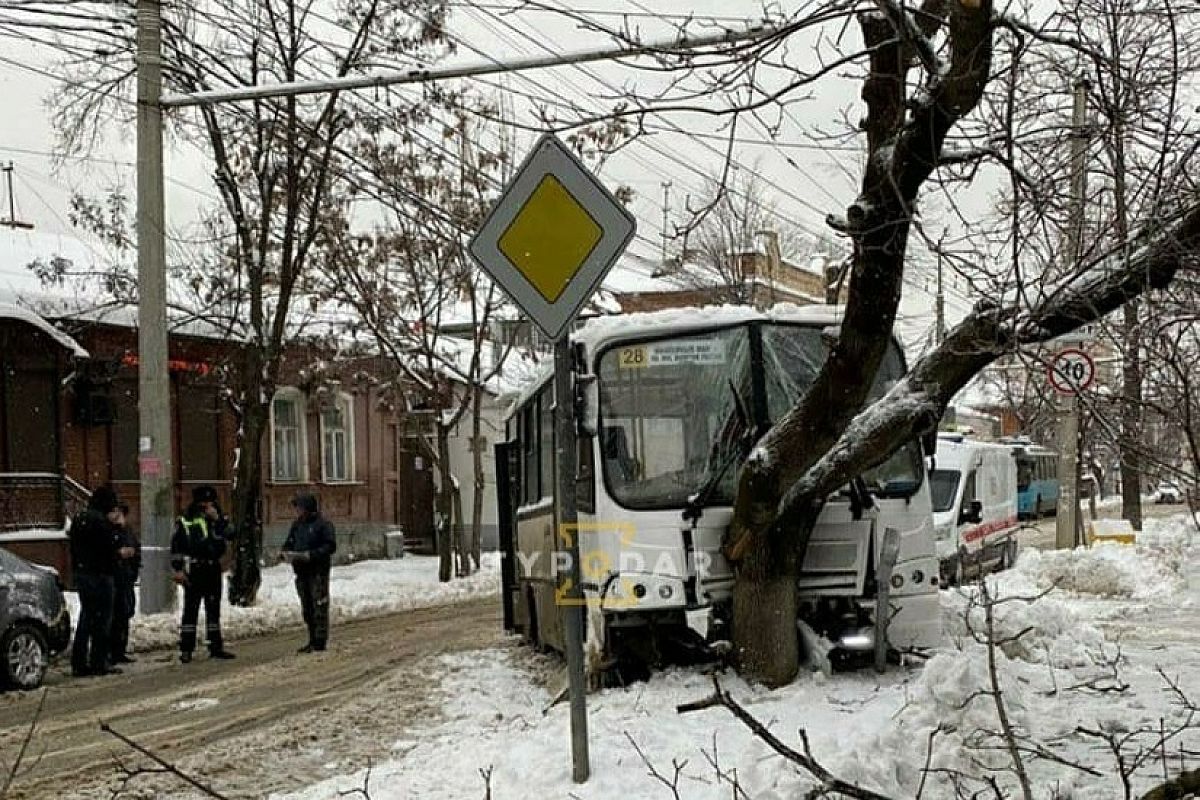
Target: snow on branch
(916,404)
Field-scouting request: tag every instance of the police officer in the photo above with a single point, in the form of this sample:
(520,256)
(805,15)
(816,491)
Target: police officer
(94,554)
(196,550)
(309,546)
(124,598)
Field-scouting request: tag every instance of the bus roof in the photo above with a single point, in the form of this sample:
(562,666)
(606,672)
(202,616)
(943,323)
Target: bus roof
(601,331)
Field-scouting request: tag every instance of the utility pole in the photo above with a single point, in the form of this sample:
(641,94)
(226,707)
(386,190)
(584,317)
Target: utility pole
(1068,525)
(12,222)
(155,465)
(666,209)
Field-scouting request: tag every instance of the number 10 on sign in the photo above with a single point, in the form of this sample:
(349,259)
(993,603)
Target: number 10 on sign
(1072,371)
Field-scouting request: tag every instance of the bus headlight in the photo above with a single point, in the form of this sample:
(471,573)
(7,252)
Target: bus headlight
(858,640)
(665,591)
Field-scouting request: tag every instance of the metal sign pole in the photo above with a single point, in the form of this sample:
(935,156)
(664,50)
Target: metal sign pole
(1068,455)
(570,593)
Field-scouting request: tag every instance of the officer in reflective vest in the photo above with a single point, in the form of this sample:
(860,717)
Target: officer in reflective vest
(196,550)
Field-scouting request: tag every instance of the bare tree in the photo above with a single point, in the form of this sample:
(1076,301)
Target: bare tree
(280,167)
(413,280)
(732,232)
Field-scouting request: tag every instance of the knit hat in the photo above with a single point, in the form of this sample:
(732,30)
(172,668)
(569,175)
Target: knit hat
(103,499)
(204,494)
(305,502)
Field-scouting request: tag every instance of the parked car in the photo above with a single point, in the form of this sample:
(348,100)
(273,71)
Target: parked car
(34,621)
(1168,492)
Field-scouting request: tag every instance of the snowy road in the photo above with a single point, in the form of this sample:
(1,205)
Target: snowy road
(269,721)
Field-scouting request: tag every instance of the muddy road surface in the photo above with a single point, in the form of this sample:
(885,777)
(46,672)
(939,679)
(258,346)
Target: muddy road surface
(271,720)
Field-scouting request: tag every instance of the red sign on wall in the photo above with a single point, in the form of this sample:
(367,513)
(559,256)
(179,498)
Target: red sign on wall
(149,466)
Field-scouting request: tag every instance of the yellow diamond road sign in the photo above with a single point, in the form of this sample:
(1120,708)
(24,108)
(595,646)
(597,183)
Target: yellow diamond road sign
(552,236)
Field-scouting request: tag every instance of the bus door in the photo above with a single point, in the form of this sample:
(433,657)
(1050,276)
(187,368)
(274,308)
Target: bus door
(507,494)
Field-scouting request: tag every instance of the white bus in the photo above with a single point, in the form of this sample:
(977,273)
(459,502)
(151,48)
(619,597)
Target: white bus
(675,400)
(973,486)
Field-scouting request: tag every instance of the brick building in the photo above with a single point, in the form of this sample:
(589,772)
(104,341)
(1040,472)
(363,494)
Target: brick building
(69,422)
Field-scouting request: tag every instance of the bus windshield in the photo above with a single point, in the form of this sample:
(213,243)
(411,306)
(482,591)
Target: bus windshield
(677,413)
(674,413)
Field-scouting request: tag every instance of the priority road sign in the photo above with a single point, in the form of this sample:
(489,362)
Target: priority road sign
(1072,371)
(552,236)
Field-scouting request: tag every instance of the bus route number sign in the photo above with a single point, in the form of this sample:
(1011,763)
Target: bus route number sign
(1072,371)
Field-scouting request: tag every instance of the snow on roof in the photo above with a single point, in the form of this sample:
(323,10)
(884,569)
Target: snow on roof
(9,311)
(600,331)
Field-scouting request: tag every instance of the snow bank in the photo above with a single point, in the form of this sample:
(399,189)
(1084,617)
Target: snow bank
(1060,674)
(1150,568)
(367,588)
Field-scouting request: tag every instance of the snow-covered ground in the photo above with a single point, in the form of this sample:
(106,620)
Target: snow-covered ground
(356,590)
(1084,652)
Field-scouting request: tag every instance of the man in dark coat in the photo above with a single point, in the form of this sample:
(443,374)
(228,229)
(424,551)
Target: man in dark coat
(196,550)
(125,578)
(94,554)
(309,548)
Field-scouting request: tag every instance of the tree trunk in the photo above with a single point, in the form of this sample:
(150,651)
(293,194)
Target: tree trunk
(1131,364)
(1131,419)
(463,568)
(246,578)
(444,505)
(480,478)
(764,623)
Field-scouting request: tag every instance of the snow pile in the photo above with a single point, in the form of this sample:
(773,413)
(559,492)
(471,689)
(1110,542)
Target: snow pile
(950,718)
(1030,625)
(367,588)
(1151,568)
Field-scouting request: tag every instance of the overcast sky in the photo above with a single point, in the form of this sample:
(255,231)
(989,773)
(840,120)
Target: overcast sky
(804,182)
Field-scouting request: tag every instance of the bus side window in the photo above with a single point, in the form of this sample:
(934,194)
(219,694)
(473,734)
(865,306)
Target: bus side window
(529,442)
(546,443)
(585,485)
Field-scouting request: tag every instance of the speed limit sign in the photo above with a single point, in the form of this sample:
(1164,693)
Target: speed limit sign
(1072,371)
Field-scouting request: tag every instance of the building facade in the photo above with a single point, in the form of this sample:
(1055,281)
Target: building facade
(69,423)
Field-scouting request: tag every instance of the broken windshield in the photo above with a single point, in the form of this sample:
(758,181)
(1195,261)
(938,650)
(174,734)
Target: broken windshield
(793,355)
(674,413)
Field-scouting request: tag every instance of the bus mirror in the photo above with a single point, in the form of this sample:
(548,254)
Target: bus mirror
(588,407)
(929,442)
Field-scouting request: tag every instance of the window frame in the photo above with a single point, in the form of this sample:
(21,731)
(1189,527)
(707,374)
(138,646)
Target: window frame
(345,402)
(301,403)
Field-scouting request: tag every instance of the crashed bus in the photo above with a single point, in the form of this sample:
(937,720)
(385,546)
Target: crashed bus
(670,404)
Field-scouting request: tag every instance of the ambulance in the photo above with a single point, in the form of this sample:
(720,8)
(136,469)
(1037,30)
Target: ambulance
(973,487)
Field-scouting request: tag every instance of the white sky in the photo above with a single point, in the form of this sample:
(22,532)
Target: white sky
(805,183)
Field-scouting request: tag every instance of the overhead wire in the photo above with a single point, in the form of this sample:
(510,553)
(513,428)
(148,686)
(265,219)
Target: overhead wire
(541,86)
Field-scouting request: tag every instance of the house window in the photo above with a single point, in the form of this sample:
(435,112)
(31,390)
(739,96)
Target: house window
(287,440)
(337,440)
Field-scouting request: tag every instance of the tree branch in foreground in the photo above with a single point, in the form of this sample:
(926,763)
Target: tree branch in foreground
(166,765)
(914,406)
(805,760)
(15,771)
